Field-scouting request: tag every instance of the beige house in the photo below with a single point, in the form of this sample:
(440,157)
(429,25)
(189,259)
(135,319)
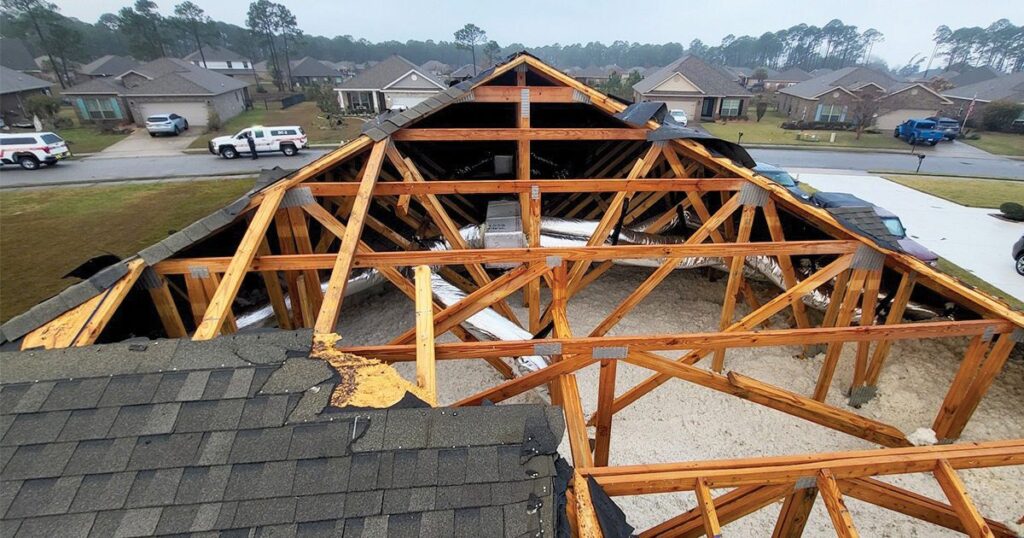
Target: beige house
(698,89)
(393,84)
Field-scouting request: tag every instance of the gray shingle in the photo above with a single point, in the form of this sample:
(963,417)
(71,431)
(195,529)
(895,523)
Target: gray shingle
(363,474)
(264,412)
(209,415)
(163,451)
(177,519)
(88,424)
(451,466)
(203,484)
(138,522)
(130,390)
(326,475)
(407,428)
(43,497)
(320,507)
(76,394)
(265,512)
(216,447)
(154,488)
(320,440)
(261,445)
(101,456)
(103,492)
(404,526)
(297,375)
(138,420)
(260,480)
(440,523)
(38,461)
(363,503)
(35,428)
(65,526)
(32,397)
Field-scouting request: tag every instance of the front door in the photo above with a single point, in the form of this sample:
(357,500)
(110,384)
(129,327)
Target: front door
(707,108)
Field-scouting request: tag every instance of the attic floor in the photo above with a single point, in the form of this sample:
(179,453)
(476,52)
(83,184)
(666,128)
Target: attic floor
(680,421)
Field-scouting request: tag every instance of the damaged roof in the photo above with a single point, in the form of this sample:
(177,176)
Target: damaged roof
(236,434)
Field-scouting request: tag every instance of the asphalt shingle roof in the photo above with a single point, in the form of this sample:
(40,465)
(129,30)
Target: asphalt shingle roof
(168,76)
(384,73)
(14,54)
(849,78)
(709,79)
(1007,87)
(311,67)
(110,65)
(215,54)
(173,437)
(12,81)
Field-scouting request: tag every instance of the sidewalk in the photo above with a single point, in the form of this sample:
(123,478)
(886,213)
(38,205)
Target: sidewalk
(969,237)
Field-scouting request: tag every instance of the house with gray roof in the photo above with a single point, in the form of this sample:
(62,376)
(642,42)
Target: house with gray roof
(393,84)
(15,88)
(829,97)
(1005,88)
(161,86)
(701,91)
(309,71)
(109,65)
(224,61)
(14,54)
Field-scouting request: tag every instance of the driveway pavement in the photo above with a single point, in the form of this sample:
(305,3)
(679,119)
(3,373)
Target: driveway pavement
(141,144)
(969,237)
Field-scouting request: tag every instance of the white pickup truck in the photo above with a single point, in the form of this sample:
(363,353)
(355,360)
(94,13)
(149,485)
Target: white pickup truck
(287,139)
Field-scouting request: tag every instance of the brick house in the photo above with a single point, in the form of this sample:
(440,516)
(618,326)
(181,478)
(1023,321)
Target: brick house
(1004,88)
(830,97)
(703,92)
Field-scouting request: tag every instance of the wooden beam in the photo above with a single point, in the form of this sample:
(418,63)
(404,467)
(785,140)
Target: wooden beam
(327,319)
(728,507)
(794,513)
(510,94)
(897,307)
(833,498)
(426,375)
(771,215)
(163,301)
(950,424)
(291,262)
(484,134)
(867,317)
(517,186)
(274,293)
(732,287)
(846,311)
(112,298)
(220,304)
(300,234)
(706,506)
(586,522)
(913,504)
(956,492)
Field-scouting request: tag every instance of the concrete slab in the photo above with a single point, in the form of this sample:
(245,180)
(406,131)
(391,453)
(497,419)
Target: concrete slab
(141,144)
(969,237)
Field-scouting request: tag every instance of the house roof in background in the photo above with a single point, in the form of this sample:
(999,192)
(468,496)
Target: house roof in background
(14,54)
(592,71)
(466,70)
(216,54)
(12,81)
(175,436)
(709,79)
(110,65)
(385,73)
(311,67)
(792,74)
(436,66)
(168,76)
(1007,87)
(847,78)
(972,75)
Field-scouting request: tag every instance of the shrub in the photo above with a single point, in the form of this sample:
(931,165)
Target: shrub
(1000,115)
(213,122)
(61,122)
(817,125)
(762,108)
(43,106)
(1013,211)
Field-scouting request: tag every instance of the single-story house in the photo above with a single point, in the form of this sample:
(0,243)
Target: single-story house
(110,65)
(224,61)
(160,86)
(1004,88)
(782,79)
(309,71)
(828,98)
(15,88)
(592,75)
(395,83)
(440,70)
(700,90)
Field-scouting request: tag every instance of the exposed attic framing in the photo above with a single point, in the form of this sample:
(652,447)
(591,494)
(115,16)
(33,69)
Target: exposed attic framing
(366,204)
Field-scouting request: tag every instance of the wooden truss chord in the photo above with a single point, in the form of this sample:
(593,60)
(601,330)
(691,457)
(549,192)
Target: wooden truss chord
(426,373)
(516,186)
(463,135)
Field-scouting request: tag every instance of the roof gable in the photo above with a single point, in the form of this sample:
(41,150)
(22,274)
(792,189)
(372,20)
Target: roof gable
(414,80)
(711,81)
(676,82)
(109,66)
(384,74)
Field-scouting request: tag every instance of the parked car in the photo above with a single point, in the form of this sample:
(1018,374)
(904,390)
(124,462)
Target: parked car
(29,150)
(890,220)
(783,178)
(679,116)
(166,124)
(917,132)
(950,127)
(286,139)
(1018,255)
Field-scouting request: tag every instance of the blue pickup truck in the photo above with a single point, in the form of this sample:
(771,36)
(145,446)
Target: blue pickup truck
(917,132)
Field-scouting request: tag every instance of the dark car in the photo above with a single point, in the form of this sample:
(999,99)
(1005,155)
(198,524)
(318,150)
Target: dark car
(1018,255)
(890,220)
(950,127)
(783,178)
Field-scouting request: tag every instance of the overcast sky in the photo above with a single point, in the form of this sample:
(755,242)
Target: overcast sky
(907,24)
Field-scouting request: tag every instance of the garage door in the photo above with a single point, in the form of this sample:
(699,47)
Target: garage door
(890,120)
(407,100)
(195,113)
(689,106)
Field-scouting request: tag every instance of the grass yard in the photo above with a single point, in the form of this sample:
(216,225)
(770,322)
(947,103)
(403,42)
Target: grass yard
(767,131)
(48,232)
(83,138)
(304,114)
(964,191)
(1000,143)
(955,270)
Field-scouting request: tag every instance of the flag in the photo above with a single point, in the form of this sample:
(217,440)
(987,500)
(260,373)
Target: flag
(970,108)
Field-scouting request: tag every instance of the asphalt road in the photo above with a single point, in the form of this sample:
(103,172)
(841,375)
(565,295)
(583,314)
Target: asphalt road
(91,170)
(847,160)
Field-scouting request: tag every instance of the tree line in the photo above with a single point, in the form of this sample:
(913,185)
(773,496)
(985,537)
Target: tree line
(272,34)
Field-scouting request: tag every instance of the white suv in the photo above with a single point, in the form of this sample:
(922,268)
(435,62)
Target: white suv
(288,140)
(29,150)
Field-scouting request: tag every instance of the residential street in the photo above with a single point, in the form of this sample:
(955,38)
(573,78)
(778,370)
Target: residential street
(107,167)
(967,236)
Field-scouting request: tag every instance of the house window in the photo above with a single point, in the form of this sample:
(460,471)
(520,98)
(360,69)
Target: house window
(229,64)
(730,108)
(245,65)
(362,100)
(832,113)
(100,109)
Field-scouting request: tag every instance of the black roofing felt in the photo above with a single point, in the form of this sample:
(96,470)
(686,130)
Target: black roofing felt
(235,435)
(865,221)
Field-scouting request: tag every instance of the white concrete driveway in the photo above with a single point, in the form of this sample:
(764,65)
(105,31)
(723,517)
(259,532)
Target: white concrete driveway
(141,144)
(969,237)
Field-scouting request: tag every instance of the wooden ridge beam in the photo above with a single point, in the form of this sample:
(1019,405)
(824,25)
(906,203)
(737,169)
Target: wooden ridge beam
(511,94)
(518,186)
(533,133)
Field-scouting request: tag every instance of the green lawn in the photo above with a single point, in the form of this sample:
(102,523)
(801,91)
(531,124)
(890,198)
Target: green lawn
(304,114)
(1000,143)
(83,138)
(768,131)
(48,232)
(955,270)
(965,191)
